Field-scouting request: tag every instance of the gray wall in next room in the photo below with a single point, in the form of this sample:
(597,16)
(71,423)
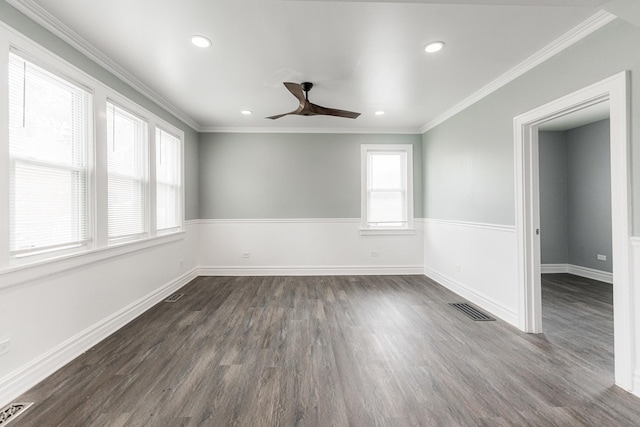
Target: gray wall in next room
(589,195)
(553,197)
(289,175)
(575,215)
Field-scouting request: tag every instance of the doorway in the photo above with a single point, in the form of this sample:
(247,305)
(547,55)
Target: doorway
(614,90)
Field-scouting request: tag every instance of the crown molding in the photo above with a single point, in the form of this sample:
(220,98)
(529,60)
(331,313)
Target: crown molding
(388,131)
(593,23)
(59,29)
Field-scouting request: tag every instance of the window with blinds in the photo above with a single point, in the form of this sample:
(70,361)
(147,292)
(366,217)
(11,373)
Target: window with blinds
(387,187)
(49,135)
(168,181)
(128,180)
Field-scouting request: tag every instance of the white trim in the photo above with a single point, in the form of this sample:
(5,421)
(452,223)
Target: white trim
(304,130)
(487,226)
(593,23)
(280,221)
(482,301)
(319,270)
(387,231)
(554,268)
(59,29)
(284,221)
(636,383)
(616,90)
(590,273)
(22,379)
(576,270)
(25,273)
(406,152)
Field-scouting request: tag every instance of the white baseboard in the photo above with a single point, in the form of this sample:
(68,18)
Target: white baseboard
(473,296)
(333,270)
(21,380)
(576,270)
(554,268)
(636,383)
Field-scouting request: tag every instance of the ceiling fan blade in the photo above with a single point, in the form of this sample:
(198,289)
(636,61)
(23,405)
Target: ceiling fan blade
(334,112)
(277,116)
(296,90)
(294,112)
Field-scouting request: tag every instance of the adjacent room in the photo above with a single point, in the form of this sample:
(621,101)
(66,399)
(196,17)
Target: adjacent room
(305,212)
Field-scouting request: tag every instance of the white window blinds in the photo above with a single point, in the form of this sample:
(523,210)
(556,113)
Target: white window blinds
(49,133)
(168,180)
(127,175)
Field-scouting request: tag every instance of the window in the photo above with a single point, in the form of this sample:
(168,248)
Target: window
(49,134)
(387,187)
(127,174)
(168,188)
(84,167)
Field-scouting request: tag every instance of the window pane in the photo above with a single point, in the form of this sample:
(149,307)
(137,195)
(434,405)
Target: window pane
(386,207)
(386,171)
(168,175)
(46,209)
(127,171)
(49,130)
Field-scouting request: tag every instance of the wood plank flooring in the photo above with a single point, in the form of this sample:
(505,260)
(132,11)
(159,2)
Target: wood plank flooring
(325,351)
(577,315)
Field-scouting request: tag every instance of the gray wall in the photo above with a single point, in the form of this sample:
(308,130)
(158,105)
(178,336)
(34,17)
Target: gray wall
(35,32)
(289,175)
(589,195)
(575,196)
(468,160)
(553,198)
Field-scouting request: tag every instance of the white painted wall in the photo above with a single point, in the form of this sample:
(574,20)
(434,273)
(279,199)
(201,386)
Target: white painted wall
(635,303)
(305,246)
(53,317)
(476,261)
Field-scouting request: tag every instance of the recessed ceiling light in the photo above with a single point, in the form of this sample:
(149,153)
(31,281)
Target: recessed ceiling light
(246,112)
(434,47)
(200,41)
(379,113)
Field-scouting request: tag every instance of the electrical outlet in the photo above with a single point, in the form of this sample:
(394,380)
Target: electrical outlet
(457,268)
(246,255)
(602,257)
(5,346)
(373,254)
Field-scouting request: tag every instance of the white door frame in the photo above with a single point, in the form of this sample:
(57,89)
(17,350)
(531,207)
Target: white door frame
(614,89)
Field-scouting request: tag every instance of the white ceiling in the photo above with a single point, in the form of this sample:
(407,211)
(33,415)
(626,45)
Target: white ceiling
(361,55)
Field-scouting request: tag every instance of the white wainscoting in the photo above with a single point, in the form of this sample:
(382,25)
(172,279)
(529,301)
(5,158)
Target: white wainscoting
(476,261)
(635,311)
(52,319)
(305,246)
(577,270)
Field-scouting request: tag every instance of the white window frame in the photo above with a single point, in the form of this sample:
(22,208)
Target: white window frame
(20,257)
(146,175)
(176,133)
(14,270)
(407,151)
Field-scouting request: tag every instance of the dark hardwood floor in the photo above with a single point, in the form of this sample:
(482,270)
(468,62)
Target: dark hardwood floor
(327,351)
(577,315)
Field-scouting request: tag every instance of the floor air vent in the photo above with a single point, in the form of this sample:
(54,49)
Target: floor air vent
(174,298)
(471,311)
(9,413)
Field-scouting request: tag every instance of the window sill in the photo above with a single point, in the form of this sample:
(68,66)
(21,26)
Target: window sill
(387,231)
(17,274)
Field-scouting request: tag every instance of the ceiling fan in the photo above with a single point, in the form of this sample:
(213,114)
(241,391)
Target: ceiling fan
(307,108)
